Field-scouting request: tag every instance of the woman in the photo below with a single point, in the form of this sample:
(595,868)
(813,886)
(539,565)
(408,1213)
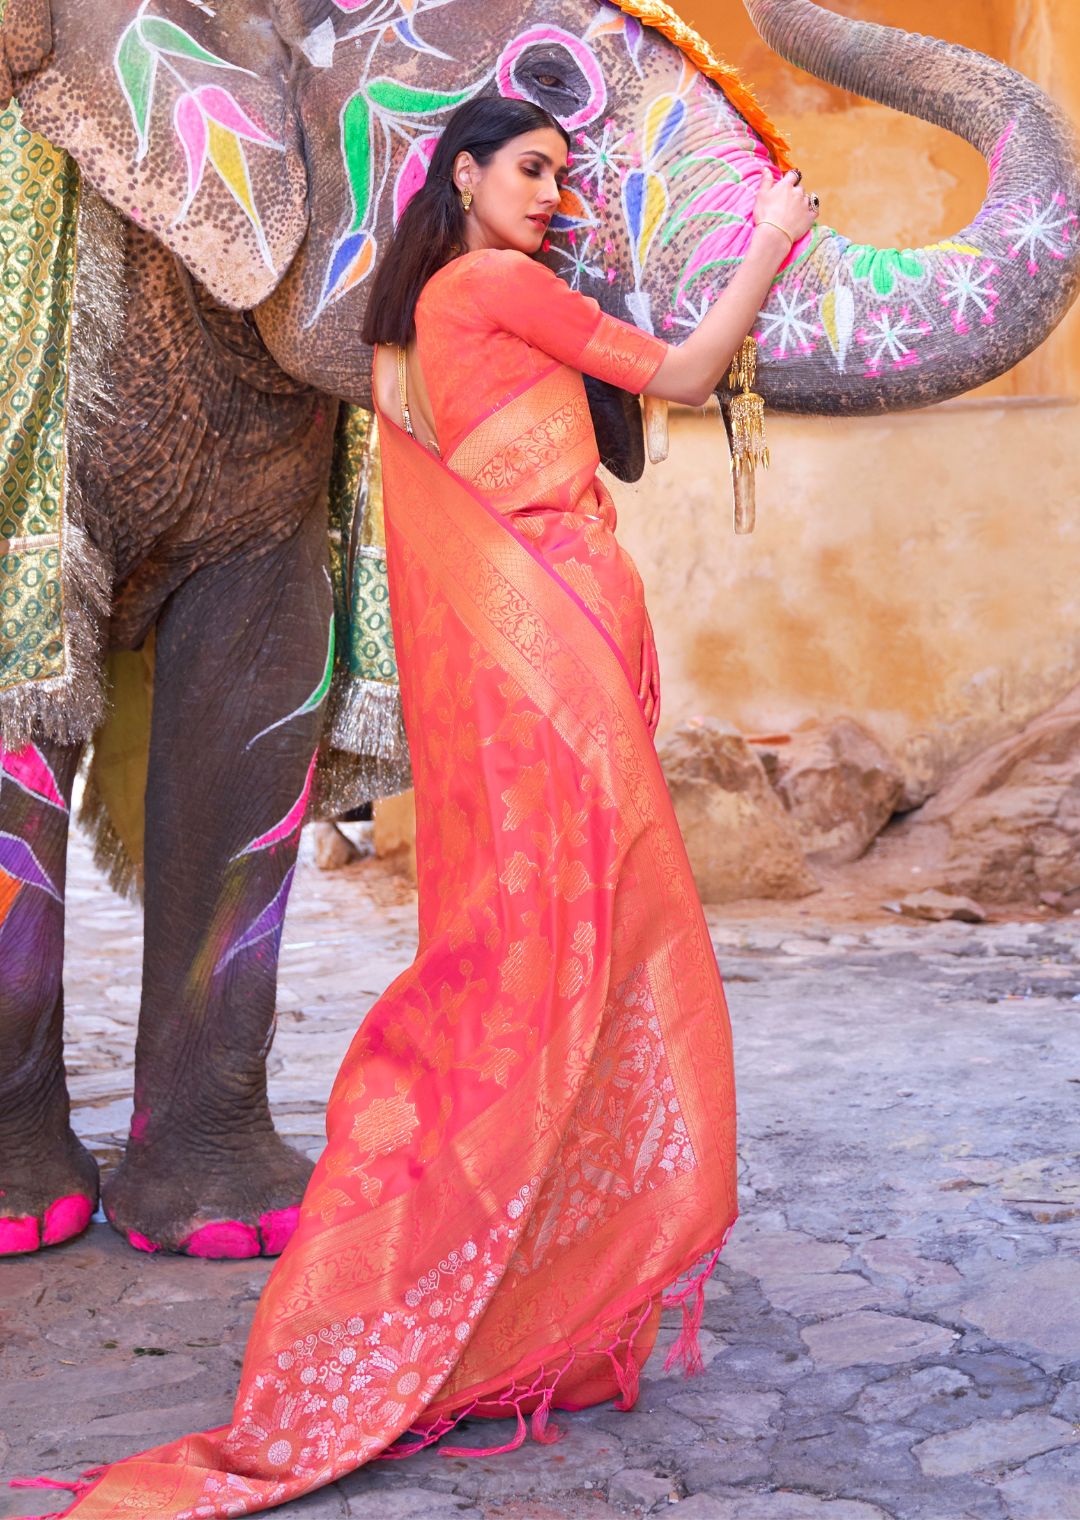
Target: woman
(533,1132)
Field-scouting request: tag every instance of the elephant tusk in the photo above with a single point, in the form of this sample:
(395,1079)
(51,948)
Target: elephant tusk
(744,482)
(656,429)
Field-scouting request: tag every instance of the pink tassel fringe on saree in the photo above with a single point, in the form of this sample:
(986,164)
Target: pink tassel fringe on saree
(533,1132)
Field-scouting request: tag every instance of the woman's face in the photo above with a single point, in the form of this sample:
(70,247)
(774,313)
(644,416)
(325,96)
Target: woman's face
(516,194)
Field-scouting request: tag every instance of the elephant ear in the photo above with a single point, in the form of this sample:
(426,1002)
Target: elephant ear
(180,114)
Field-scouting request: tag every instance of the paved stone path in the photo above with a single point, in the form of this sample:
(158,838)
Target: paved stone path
(894,1331)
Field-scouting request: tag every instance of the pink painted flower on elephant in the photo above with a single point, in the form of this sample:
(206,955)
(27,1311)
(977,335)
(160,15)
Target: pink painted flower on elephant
(29,770)
(210,123)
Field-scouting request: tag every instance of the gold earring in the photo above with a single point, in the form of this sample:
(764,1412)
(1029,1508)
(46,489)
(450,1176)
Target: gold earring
(466,199)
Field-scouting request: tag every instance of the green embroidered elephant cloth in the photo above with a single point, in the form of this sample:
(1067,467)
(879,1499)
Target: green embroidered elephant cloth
(39,192)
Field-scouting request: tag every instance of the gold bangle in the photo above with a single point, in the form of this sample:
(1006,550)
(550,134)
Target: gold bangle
(764,222)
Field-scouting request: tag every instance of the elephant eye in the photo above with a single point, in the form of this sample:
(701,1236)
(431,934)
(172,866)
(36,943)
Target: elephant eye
(548,74)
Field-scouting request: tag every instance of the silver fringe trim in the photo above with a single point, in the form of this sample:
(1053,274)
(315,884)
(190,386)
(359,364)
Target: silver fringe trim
(365,753)
(364,717)
(67,709)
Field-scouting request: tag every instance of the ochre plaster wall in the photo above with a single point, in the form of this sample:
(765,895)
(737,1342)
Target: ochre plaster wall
(920,573)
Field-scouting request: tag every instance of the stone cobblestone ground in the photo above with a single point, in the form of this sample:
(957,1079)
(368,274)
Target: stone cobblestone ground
(894,1330)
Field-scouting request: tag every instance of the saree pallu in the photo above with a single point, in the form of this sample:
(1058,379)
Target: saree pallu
(533,1132)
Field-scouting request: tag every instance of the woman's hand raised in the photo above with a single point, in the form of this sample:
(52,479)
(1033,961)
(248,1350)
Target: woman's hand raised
(785,205)
(691,371)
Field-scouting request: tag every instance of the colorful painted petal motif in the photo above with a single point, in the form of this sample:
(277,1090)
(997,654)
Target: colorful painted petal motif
(190,124)
(221,106)
(723,203)
(723,246)
(352,261)
(412,173)
(403,29)
(838,320)
(410,100)
(9,891)
(29,769)
(310,703)
(884,266)
(169,38)
(268,924)
(18,860)
(227,157)
(357,152)
(209,120)
(573,213)
(287,826)
(645,204)
(664,118)
(136,67)
(997,152)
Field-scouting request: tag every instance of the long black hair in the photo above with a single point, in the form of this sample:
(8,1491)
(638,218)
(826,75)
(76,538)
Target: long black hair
(432,227)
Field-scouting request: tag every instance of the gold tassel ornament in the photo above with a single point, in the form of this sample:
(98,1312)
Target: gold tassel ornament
(747,432)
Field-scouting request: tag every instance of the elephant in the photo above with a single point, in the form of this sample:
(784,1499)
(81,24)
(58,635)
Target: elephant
(247,160)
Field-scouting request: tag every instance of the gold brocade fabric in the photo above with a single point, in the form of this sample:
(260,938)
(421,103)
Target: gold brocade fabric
(365,644)
(365,752)
(39,190)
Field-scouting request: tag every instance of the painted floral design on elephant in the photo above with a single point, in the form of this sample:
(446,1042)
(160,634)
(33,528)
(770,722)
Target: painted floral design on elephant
(209,121)
(646,184)
(28,769)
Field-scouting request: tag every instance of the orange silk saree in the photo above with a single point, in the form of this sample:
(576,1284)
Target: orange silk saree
(532,1135)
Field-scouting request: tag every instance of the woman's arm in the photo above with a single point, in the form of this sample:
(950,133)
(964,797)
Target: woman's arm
(691,370)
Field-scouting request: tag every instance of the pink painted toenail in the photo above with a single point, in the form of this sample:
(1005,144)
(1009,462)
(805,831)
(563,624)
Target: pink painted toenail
(20,1234)
(142,1243)
(277,1227)
(65,1217)
(223,1238)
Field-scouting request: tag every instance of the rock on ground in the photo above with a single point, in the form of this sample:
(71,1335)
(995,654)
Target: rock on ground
(839,785)
(740,840)
(937,906)
(1006,827)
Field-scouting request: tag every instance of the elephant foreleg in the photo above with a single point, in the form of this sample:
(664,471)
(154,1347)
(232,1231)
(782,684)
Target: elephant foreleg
(240,667)
(48,1181)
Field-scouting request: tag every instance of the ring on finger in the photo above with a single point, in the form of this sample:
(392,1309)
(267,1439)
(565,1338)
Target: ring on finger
(815,201)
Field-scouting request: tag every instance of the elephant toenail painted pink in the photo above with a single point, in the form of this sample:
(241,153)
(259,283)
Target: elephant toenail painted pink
(20,1234)
(223,1238)
(277,1227)
(66,1217)
(142,1243)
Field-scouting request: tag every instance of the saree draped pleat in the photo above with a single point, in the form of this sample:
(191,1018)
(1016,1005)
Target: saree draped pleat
(533,1133)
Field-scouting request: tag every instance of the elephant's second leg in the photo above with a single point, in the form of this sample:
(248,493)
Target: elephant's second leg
(241,656)
(48,1181)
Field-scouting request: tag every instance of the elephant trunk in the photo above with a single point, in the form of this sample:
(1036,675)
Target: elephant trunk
(902,328)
